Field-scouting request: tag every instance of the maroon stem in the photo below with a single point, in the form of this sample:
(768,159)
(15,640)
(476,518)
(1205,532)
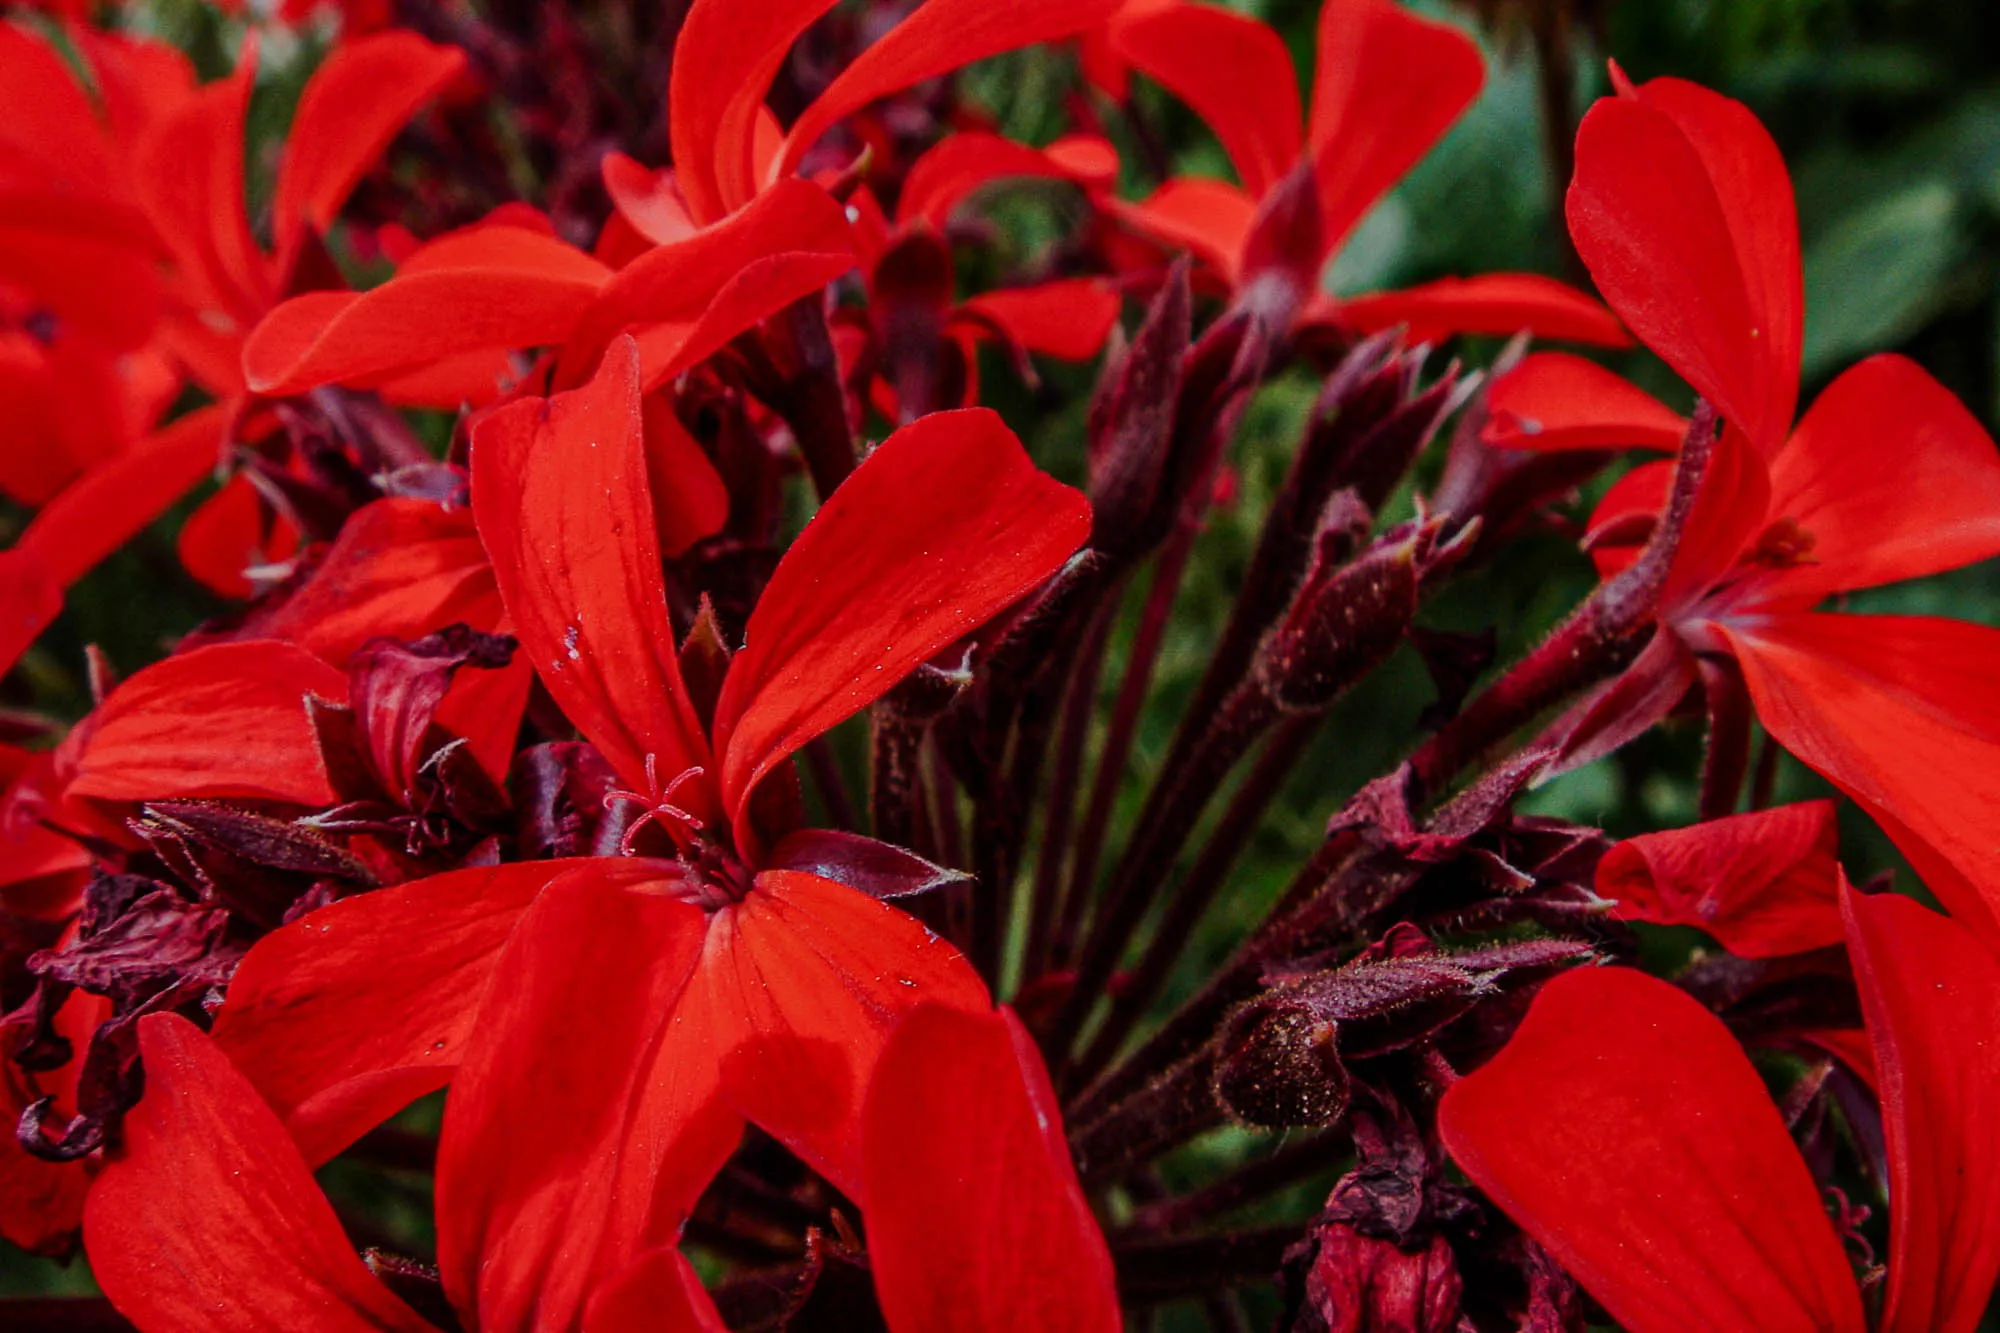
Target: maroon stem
(1598,639)
(1078,710)
(1168,572)
(1197,892)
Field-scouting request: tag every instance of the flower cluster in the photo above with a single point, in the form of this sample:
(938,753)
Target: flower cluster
(665,792)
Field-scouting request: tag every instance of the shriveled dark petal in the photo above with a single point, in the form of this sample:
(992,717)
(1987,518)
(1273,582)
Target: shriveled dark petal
(200,859)
(274,844)
(558,791)
(159,941)
(878,869)
(1345,1282)
(395,689)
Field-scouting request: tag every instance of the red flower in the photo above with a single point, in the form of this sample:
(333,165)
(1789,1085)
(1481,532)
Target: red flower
(1683,211)
(1624,1129)
(649,1006)
(1386,87)
(208,1214)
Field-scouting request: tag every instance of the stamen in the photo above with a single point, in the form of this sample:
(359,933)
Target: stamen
(660,808)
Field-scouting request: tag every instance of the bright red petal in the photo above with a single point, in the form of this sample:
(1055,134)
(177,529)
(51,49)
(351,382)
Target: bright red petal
(656,1293)
(539,1195)
(946,174)
(942,526)
(482,289)
(225,720)
(1900,713)
(1892,478)
(1764,884)
(207,1218)
(400,567)
(347,1015)
(103,509)
(690,501)
(1626,1131)
(806,978)
(1387,87)
(1682,209)
(724,59)
(560,493)
(1233,71)
(1931,996)
(939,37)
(1498,304)
(676,285)
(976,1221)
(1210,218)
(1068,319)
(351,108)
(1553,400)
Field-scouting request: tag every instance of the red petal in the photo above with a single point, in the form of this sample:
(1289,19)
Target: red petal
(46,117)
(477,290)
(690,501)
(90,260)
(1893,479)
(230,534)
(976,1221)
(208,1218)
(560,493)
(649,200)
(806,978)
(1931,996)
(1732,507)
(955,167)
(539,1195)
(939,37)
(1625,1130)
(1900,713)
(1553,400)
(1389,84)
(189,172)
(1210,218)
(942,526)
(1068,319)
(30,598)
(724,59)
(225,720)
(400,567)
(764,287)
(103,509)
(678,284)
(1499,304)
(347,1015)
(1233,72)
(351,108)
(1682,209)
(656,1293)
(1764,884)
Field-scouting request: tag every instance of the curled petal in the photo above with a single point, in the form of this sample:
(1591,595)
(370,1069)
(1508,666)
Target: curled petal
(1764,884)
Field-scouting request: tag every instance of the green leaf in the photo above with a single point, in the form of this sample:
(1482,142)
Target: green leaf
(1879,273)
